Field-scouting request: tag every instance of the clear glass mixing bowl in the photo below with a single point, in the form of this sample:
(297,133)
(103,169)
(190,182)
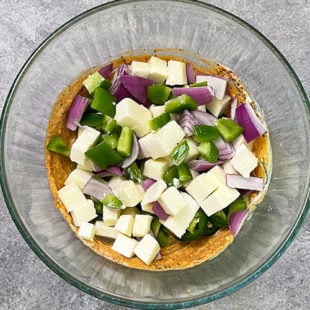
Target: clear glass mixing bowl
(104,33)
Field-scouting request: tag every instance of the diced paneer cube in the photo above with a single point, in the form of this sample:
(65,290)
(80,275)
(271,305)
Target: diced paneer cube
(148,207)
(140,68)
(228,168)
(154,192)
(84,213)
(176,73)
(124,245)
(193,150)
(144,142)
(71,196)
(134,115)
(147,249)
(172,201)
(128,192)
(125,224)
(206,183)
(241,140)
(79,177)
(110,216)
(142,225)
(88,165)
(157,110)
(87,231)
(177,224)
(244,161)
(82,144)
(158,70)
(217,107)
(155,168)
(105,231)
(219,199)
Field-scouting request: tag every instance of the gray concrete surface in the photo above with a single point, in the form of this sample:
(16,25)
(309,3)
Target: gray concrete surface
(25,282)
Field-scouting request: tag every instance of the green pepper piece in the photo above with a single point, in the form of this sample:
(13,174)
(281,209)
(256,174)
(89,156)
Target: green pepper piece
(228,129)
(179,104)
(171,175)
(57,145)
(219,219)
(112,201)
(237,205)
(103,155)
(104,102)
(179,153)
(134,173)
(205,133)
(106,84)
(210,229)
(200,84)
(159,121)
(155,225)
(111,139)
(163,237)
(109,124)
(197,227)
(94,120)
(158,94)
(93,81)
(124,145)
(209,151)
(99,207)
(184,173)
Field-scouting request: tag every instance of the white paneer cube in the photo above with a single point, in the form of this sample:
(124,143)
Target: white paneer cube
(83,143)
(193,150)
(241,140)
(88,165)
(154,192)
(84,213)
(148,207)
(103,230)
(206,183)
(125,224)
(219,200)
(176,73)
(72,196)
(178,223)
(244,161)
(110,216)
(172,201)
(134,115)
(144,144)
(155,168)
(217,107)
(158,70)
(140,68)
(157,110)
(79,177)
(142,225)
(124,245)
(147,249)
(87,231)
(228,168)
(202,108)
(114,181)
(219,84)
(129,193)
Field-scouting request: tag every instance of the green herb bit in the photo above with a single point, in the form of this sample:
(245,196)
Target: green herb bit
(171,175)
(124,145)
(209,151)
(197,227)
(93,81)
(228,129)
(94,120)
(134,173)
(112,201)
(219,219)
(184,173)
(57,145)
(179,153)
(205,133)
(237,205)
(103,155)
(104,102)
(159,121)
(200,84)
(158,94)
(179,104)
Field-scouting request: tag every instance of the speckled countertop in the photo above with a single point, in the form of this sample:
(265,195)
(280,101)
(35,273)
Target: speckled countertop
(27,283)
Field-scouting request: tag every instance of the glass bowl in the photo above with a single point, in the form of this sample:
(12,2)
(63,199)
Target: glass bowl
(181,28)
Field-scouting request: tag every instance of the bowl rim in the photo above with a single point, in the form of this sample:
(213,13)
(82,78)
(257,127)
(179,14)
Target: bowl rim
(60,271)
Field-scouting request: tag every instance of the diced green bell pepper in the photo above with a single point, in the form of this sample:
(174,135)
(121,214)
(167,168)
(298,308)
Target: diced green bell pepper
(228,129)
(99,207)
(124,145)
(155,225)
(219,219)
(237,205)
(134,173)
(170,175)
(103,155)
(200,84)
(184,173)
(179,104)
(104,102)
(159,121)
(209,151)
(93,81)
(112,201)
(158,94)
(57,145)
(111,139)
(163,237)
(210,229)
(94,120)
(109,124)
(179,153)
(205,133)
(197,227)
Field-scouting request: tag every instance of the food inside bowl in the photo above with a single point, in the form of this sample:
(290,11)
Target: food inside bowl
(155,163)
